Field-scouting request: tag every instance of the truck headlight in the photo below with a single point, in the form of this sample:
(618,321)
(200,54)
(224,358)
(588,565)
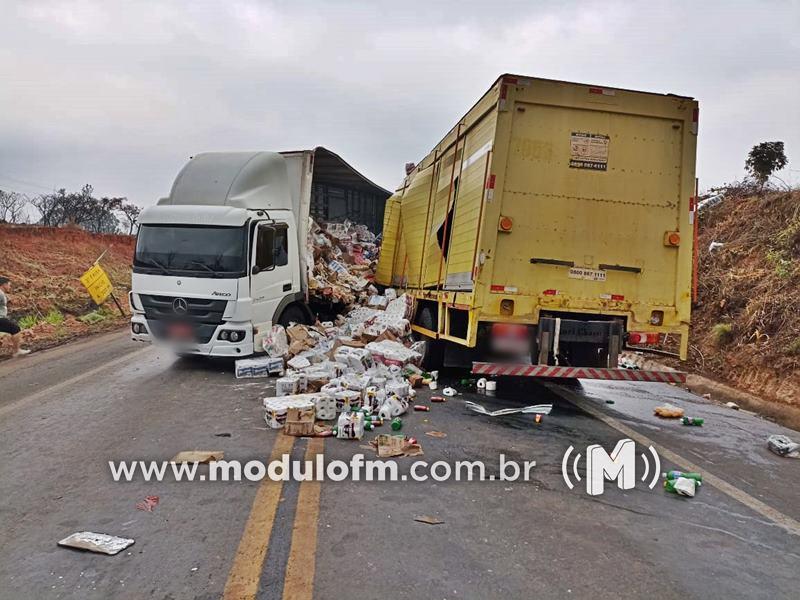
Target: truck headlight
(223,335)
(236,336)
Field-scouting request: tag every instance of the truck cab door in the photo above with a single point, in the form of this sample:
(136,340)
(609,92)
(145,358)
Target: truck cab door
(271,274)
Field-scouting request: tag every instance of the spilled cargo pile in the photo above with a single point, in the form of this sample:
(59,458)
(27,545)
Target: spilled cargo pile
(357,372)
(342,259)
(347,375)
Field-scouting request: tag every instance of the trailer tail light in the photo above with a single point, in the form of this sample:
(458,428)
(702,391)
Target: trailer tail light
(550,293)
(506,224)
(648,338)
(672,238)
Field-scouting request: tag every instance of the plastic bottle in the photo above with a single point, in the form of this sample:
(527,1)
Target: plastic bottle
(397,424)
(695,421)
(672,475)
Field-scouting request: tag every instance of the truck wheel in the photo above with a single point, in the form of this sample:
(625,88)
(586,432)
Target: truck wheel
(433,358)
(292,314)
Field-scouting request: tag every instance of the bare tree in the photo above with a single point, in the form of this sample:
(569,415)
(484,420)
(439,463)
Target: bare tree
(79,208)
(130,212)
(12,207)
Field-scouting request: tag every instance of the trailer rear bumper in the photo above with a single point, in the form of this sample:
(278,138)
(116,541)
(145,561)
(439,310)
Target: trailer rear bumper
(497,370)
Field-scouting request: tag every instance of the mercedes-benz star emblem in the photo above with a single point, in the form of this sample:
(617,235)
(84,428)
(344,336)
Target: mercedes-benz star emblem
(179,306)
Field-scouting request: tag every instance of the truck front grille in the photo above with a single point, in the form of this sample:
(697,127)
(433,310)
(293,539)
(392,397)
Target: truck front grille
(172,308)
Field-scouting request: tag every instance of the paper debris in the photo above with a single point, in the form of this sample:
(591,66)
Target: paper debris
(96,542)
(428,519)
(197,456)
(148,504)
(541,409)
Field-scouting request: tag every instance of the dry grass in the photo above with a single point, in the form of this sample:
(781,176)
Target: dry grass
(750,287)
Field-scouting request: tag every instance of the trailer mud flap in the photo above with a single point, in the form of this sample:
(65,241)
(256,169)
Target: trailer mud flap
(497,370)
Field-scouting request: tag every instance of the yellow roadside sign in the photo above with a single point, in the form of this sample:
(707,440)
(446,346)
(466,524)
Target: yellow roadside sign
(96,281)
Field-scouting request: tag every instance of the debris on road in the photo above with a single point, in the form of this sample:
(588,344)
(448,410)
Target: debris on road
(693,421)
(148,504)
(783,446)
(683,486)
(668,411)
(387,446)
(264,366)
(101,543)
(428,520)
(542,409)
(198,456)
(732,405)
(436,434)
(688,475)
(448,391)
(299,421)
(225,434)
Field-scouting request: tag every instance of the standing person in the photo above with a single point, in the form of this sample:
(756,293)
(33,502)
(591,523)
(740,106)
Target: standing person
(6,324)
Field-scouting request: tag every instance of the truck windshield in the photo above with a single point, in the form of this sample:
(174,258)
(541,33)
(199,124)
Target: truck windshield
(191,250)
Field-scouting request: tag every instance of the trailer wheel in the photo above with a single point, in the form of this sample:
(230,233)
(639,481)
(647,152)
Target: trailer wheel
(292,314)
(433,359)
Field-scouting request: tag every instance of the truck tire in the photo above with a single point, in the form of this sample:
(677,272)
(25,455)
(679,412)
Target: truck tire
(292,314)
(433,358)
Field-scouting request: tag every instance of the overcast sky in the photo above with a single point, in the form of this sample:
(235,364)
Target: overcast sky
(120,94)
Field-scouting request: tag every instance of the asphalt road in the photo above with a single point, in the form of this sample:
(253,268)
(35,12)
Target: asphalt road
(66,412)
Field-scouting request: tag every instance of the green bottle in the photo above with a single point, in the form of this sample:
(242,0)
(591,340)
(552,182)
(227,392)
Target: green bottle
(695,421)
(673,475)
(397,424)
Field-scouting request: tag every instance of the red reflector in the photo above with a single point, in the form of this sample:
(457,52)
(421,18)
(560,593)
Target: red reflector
(696,115)
(550,292)
(503,92)
(510,80)
(636,338)
(490,182)
(595,90)
(498,288)
(617,297)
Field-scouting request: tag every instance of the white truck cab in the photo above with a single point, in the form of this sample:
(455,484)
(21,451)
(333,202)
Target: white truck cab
(223,257)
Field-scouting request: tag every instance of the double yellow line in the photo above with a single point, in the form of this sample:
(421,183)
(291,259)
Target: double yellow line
(248,563)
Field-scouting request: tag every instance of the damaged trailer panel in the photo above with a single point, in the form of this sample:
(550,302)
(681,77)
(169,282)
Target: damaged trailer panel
(551,201)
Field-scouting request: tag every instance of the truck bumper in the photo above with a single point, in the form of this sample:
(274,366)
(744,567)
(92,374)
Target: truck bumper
(498,369)
(213,347)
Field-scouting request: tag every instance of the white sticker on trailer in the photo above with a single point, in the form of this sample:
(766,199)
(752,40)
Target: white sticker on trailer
(590,274)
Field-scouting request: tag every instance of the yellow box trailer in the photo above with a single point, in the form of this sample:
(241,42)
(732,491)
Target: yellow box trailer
(554,221)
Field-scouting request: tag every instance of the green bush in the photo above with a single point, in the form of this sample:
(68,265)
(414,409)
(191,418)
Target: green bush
(723,333)
(28,321)
(54,317)
(93,317)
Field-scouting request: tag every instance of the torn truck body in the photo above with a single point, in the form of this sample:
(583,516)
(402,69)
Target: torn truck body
(554,220)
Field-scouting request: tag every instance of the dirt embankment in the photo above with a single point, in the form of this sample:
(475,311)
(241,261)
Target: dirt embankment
(47,298)
(746,331)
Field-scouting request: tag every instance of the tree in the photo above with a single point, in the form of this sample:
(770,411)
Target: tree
(12,207)
(79,208)
(130,212)
(764,159)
